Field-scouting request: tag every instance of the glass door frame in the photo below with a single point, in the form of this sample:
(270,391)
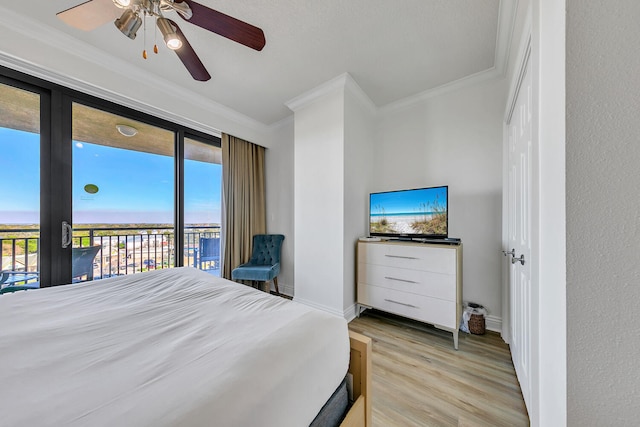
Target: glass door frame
(204,139)
(56,159)
(45,161)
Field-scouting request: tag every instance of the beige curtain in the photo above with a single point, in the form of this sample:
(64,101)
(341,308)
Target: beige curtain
(243,200)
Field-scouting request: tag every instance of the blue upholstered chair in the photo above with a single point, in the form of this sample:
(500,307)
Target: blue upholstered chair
(82,262)
(12,281)
(208,251)
(264,265)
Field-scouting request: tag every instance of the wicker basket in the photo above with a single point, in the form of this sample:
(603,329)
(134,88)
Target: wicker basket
(476,324)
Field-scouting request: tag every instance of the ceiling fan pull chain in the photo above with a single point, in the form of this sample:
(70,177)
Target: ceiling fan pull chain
(155,35)
(144,35)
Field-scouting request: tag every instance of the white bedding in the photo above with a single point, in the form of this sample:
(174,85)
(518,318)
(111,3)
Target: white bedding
(174,347)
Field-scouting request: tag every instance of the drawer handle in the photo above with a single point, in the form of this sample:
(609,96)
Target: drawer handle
(399,280)
(403,257)
(401,303)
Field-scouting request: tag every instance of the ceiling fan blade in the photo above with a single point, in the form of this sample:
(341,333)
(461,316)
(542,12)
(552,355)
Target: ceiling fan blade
(189,58)
(225,25)
(90,15)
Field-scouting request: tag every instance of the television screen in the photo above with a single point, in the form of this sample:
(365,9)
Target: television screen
(421,212)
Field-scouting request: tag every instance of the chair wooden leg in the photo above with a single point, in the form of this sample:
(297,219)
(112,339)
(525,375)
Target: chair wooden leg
(275,283)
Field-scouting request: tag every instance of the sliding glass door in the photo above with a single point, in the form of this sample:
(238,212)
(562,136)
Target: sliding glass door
(90,189)
(122,195)
(202,204)
(19,186)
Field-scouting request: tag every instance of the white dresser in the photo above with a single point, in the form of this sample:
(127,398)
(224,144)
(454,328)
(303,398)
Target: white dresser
(415,280)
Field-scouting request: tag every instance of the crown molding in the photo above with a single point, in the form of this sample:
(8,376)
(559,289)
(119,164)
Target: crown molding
(311,96)
(490,74)
(506,21)
(342,82)
(45,35)
(360,95)
(282,123)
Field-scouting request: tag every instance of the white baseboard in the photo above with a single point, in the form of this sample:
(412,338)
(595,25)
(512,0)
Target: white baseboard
(284,289)
(493,323)
(348,314)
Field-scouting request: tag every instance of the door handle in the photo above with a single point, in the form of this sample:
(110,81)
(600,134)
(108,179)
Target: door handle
(520,260)
(512,252)
(66,234)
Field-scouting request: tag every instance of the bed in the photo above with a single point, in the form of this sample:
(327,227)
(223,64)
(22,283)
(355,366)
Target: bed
(174,347)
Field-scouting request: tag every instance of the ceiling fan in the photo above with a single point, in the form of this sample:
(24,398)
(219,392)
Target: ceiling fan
(128,15)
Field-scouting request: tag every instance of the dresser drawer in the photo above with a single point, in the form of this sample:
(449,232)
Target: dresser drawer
(418,307)
(410,256)
(427,283)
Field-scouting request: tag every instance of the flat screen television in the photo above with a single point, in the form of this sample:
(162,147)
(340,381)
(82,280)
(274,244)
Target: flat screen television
(416,213)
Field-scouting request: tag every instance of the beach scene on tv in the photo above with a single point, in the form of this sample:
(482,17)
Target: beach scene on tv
(421,211)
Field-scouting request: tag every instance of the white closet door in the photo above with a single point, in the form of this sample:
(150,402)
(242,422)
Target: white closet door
(520,181)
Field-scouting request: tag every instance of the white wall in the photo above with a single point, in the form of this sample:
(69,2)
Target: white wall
(603,205)
(454,139)
(279,194)
(358,164)
(332,162)
(319,202)
(549,263)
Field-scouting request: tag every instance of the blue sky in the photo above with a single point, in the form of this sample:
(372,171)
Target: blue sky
(395,202)
(134,187)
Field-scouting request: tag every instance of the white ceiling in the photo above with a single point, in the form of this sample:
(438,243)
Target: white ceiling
(393,49)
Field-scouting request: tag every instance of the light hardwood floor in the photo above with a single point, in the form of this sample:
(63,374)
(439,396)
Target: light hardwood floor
(420,380)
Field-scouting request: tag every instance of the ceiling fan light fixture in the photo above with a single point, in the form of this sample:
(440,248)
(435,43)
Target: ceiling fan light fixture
(128,23)
(183,9)
(171,38)
(173,42)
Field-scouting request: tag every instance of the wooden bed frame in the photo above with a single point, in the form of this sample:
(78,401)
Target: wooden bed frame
(360,368)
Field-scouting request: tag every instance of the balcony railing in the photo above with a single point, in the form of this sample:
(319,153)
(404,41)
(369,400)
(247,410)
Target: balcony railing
(20,253)
(124,250)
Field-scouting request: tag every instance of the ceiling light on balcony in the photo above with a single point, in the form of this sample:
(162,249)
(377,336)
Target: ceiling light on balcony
(168,31)
(127,130)
(128,23)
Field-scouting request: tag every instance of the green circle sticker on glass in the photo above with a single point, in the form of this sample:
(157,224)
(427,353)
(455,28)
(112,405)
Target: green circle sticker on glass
(91,188)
